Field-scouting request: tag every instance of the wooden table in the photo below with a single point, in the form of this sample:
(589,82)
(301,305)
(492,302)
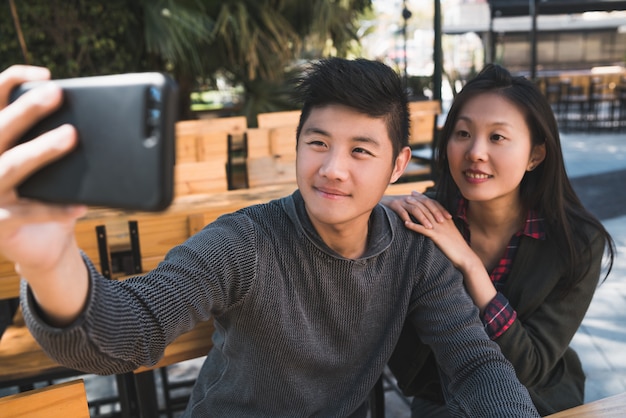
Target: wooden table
(611,407)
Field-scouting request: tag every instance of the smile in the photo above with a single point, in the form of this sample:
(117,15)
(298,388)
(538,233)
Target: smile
(474,175)
(331,192)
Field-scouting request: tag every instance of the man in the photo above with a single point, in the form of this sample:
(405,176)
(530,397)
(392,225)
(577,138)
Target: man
(308,293)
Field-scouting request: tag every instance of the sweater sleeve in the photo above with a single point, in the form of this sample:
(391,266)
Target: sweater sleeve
(126,324)
(447,320)
(547,318)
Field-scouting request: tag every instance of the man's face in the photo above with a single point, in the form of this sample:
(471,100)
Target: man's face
(343,166)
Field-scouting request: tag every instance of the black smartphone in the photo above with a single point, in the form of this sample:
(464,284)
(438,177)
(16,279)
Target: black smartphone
(125,155)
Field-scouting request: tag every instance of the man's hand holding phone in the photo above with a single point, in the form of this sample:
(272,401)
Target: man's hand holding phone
(37,237)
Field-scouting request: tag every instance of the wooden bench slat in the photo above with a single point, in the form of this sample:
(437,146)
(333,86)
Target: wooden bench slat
(273,119)
(62,400)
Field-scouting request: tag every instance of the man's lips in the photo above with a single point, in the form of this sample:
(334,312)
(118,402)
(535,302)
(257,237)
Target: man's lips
(331,192)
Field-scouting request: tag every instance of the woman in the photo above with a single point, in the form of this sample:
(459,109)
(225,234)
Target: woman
(530,253)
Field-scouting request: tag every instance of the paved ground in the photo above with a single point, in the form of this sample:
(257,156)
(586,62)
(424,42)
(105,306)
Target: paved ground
(597,165)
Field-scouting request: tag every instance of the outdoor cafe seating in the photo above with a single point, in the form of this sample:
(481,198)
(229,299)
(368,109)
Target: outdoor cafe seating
(587,101)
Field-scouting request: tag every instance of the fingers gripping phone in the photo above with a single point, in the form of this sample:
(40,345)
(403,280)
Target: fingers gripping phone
(125,153)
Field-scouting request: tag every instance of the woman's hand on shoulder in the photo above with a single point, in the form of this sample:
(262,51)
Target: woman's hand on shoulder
(428,217)
(417,209)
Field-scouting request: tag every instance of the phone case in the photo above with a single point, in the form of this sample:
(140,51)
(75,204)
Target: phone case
(125,156)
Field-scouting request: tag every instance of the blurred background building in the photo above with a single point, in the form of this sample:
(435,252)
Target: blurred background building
(472,36)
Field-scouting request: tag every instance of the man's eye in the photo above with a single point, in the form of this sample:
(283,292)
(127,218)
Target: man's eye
(315,143)
(362,151)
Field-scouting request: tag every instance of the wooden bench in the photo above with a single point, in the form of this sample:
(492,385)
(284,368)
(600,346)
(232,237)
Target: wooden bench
(423,118)
(62,400)
(201,159)
(205,150)
(275,119)
(423,124)
(271,156)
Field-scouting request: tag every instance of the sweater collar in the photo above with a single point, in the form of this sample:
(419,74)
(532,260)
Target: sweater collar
(381,231)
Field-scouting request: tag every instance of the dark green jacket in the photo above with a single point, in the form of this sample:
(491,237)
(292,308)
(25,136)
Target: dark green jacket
(537,344)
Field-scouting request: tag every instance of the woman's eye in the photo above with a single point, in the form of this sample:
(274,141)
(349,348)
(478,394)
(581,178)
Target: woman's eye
(462,134)
(497,137)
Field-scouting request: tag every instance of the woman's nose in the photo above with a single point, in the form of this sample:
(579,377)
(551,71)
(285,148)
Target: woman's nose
(476,150)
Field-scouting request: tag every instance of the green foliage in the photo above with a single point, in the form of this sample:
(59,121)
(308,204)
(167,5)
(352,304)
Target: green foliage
(251,42)
(75,38)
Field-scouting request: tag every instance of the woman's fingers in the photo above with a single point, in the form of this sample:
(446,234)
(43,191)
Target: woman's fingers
(419,212)
(439,213)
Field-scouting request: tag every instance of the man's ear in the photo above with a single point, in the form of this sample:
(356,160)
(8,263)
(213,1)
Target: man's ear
(402,160)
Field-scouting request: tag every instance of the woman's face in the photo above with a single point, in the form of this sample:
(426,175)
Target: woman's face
(491,149)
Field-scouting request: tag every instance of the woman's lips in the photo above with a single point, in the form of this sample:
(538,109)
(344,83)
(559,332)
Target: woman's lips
(474,176)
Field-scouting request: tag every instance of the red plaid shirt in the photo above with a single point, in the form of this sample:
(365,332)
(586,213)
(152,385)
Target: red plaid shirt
(499,314)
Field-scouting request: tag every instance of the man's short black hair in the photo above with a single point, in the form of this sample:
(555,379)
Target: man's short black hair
(369,87)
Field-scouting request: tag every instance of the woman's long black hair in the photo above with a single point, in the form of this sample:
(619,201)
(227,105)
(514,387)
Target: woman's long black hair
(546,188)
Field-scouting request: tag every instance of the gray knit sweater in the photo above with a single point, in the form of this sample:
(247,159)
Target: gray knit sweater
(300,330)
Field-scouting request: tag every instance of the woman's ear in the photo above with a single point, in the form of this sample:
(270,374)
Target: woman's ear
(537,155)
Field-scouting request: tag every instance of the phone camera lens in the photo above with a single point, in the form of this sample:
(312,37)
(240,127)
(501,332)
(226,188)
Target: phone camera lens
(155,95)
(154,116)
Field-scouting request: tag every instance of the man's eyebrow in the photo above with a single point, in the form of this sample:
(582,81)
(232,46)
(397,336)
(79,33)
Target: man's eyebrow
(358,139)
(315,130)
(366,140)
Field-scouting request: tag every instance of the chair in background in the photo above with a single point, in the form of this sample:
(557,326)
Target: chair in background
(572,106)
(601,104)
(619,112)
(423,127)
(551,88)
(61,400)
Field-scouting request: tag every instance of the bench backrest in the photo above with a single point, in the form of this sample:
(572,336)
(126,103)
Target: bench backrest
(201,157)
(423,116)
(274,119)
(271,155)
